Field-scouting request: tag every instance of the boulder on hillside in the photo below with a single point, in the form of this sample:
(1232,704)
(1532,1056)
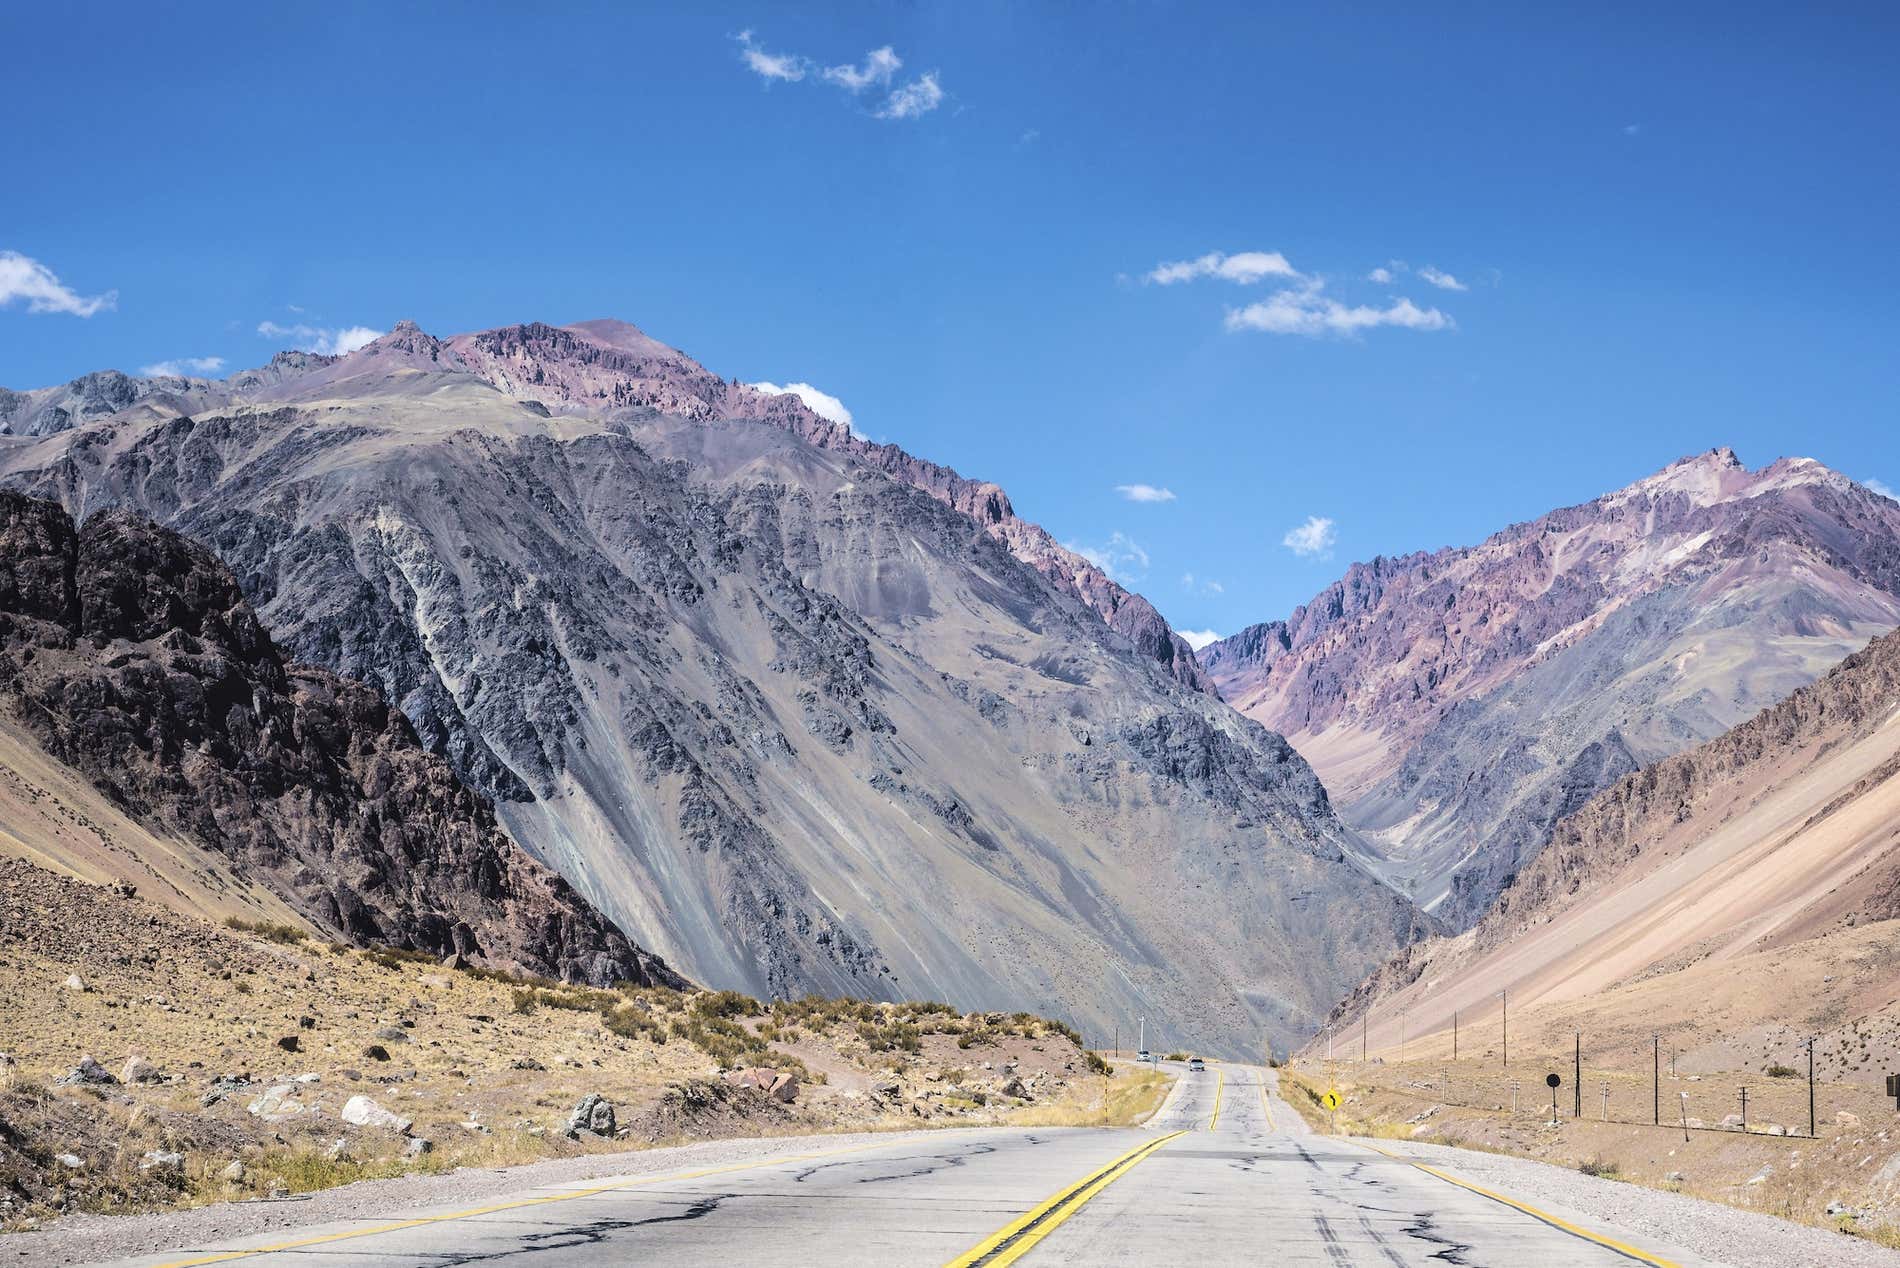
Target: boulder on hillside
(87,1071)
(591,1114)
(364,1112)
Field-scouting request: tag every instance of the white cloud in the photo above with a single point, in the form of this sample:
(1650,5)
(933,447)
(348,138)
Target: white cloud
(1197,639)
(181,367)
(1244,267)
(1631,129)
(1304,310)
(1313,538)
(919,97)
(1441,279)
(823,404)
(24,278)
(1881,488)
(327,340)
(879,65)
(1120,557)
(787,67)
(1202,585)
(1144,493)
(1381,275)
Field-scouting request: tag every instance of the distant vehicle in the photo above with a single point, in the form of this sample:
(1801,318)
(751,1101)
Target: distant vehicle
(1144,1055)
(1196,1065)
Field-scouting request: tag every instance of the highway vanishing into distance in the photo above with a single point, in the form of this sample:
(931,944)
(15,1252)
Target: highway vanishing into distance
(1225,1173)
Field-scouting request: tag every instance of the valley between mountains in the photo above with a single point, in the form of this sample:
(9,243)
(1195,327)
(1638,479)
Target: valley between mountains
(541,672)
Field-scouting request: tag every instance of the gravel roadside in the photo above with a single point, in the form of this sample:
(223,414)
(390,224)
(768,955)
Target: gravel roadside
(1744,1239)
(91,1239)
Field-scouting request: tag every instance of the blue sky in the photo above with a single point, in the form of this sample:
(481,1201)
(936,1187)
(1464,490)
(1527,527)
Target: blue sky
(1667,231)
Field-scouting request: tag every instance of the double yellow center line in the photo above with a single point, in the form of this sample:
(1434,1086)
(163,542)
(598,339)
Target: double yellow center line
(1017,1238)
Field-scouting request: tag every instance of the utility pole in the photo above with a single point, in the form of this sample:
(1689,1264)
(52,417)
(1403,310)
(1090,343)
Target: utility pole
(1685,1116)
(1655,1064)
(1402,1015)
(1604,1112)
(1505,1020)
(1329,1043)
(1577,1075)
(1142,1043)
(1362,1034)
(1744,1109)
(1810,1087)
(1454,1034)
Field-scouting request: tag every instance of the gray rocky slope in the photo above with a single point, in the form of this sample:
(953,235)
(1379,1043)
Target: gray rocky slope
(1459,703)
(793,721)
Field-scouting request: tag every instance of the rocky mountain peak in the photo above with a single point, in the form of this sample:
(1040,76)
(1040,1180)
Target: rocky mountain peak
(1457,702)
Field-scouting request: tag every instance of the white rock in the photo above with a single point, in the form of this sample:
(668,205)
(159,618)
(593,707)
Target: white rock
(72,1162)
(364,1112)
(277,1103)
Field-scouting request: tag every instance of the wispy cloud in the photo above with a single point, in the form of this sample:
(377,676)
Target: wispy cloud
(919,97)
(182,367)
(1313,539)
(1144,493)
(1382,275)
(1880,487)
(1120,557)
(24,278)
(1441,279)
(879,65)
(331,341)
(1244,267)
(1306,310)
(879,71)
(1201,585)
(821,403)
(781,67)
(1632,129)
(1197,639)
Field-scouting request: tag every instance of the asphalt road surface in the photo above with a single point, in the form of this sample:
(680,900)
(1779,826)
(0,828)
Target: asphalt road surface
(1225,1174)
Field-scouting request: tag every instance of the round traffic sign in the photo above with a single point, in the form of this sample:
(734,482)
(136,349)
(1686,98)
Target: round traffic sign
(1553,1080)
(1330,1100)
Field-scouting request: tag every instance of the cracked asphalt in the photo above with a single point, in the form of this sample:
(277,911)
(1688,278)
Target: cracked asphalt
(1252,1186)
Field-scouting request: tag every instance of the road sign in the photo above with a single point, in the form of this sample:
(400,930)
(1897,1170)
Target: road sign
(1553,1080)
(1330,1100)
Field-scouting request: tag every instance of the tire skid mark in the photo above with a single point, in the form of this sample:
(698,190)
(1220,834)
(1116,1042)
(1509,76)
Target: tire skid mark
(571,1236)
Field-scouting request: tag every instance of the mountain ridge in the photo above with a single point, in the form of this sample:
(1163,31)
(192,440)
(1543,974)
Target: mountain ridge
(799,724)
(129,655)
(1459,702)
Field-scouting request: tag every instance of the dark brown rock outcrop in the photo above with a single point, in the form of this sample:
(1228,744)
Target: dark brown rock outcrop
(129,652)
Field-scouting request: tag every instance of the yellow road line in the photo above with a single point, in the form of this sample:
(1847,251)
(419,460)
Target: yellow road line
(1641,1256)
(1015,1239)
(1266,1103)
(517,1204)
(1220,1080)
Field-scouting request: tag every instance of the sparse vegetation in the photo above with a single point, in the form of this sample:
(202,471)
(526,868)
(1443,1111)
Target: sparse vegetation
(1599,1168)
(1782,1072)
(269,930)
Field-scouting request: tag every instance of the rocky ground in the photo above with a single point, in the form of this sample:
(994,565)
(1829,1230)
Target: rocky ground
(154,1060)
(1847,1178)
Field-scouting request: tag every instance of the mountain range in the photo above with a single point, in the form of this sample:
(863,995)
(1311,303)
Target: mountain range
(1736,899)
(154,736)
(1459,703)
(799,713)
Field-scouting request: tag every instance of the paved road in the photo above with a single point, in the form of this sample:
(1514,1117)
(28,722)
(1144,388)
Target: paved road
(1225,1174)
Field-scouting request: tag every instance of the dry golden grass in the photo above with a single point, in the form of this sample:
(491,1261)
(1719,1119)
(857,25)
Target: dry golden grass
(1128,1099)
